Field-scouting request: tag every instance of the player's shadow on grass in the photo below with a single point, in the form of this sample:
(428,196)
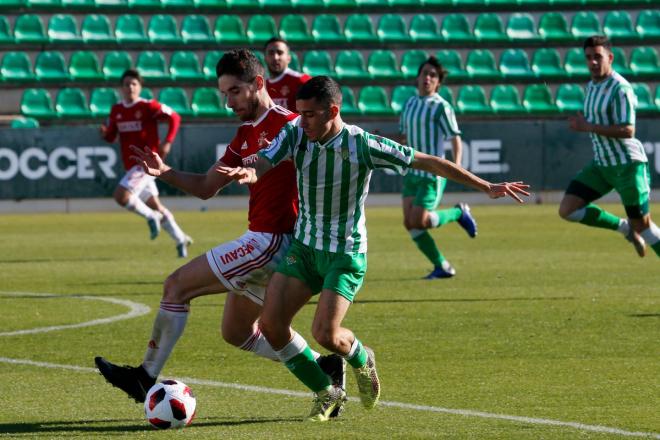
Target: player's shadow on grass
(53,260)
(452,300)
(645,315)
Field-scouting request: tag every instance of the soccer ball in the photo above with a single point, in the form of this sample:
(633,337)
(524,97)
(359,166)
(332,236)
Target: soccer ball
(170,404)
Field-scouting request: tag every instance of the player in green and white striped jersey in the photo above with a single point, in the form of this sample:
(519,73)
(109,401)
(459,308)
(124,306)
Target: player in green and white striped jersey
(619,163)
(333,163)
(426,121)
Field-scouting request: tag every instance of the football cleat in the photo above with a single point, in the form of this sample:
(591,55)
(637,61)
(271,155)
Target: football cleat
(154,227)
(466,220)
(182,248)
(367,381)
(325,402)
(444,271)
(334,366)
(134,381)
(637,241)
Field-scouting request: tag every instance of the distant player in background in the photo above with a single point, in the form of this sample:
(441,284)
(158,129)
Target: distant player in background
(620,161)
(135,120)
(282,83)
(426,121)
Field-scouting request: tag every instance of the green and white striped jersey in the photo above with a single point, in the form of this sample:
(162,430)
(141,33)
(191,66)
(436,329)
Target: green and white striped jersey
(427,121)
(612,102)
(333,182)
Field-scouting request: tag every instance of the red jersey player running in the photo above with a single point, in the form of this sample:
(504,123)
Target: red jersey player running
(136,121)
(283,83)
(242,267)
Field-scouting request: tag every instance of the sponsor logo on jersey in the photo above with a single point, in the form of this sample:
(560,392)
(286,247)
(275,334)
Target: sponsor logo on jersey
(237,253)
(285,90)
(249,160)
(262,139)
(129,126)
(244,146)
(290,260)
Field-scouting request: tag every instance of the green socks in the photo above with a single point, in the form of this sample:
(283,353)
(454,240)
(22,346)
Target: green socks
(444,216)
(427,246)
(357,357)
(597,217)
(299,359)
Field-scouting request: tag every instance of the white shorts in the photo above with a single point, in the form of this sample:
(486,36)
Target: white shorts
(139,183)
(246,264)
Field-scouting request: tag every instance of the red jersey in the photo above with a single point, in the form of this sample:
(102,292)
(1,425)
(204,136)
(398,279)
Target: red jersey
(137,124)
(274,198)
(283,89)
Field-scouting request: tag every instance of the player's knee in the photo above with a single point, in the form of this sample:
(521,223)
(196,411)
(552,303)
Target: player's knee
(326,337)
(171,290)
(565,212)
(230,336)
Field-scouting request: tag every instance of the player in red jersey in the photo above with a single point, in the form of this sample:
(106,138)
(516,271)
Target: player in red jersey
(283,83)
(135,120)
(242,267)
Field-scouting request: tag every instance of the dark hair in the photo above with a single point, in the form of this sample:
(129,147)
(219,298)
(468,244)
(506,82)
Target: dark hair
(131,73)
(240,63)
(323,88)
(277,40)
(597,40)
(435,63)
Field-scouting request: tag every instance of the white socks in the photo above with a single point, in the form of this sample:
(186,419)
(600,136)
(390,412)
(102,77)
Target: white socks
(136,205)
(651,235)
(169,224)
(258,345)
(168,328)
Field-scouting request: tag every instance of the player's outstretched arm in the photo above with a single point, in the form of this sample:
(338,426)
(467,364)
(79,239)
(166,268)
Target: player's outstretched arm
(245,175)
(445,168)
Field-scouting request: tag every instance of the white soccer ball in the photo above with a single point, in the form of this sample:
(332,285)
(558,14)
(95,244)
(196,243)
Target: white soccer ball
(170,404)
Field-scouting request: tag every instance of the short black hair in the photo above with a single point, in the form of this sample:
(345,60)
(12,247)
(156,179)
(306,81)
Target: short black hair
(131,73)
(277,40)
(436,64)
(240,63)
(323,88)
(597,40)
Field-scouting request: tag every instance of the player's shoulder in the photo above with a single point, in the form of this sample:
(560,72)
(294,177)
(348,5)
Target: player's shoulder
(621,82)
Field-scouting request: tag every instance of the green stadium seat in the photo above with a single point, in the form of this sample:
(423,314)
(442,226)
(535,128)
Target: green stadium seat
(110,5)
(196,29)
(151,66)
(505,99)
(184,65)
(275,5)
(229,30)
(521,27)
(401,94)
(382,64)
(509,4)
(295,62)
(206,102)
(243,4)
(96,28)
(620,63)
(648,24)
(489,28)
(78,4)
(471,100)
(12,4)
(36,103)
(374,101)
(411,60)
(570,98)
(28,28)
(538,99)
(514,64)
(50,66)
(618,26)
(44,4)
(294,29)
(452,63)
(84,66)
(359,29)
(424,28)
(62,28)
(115,63)
(348,103)
(210,61)
(5,31)
(71,103)
(349,64)
(392,29)
(373,4)
(176,99)
(480,64)
(446,94)
(177,4)
(129,28)
(146,93)
(314,4)
(317,62)
(644,61)
(585,24)
(553,27)
(455,28)
(645,102)
(101,101)
(326,29)
(575,64)
(546,63)
(144,4)
(23,122)
(657,97)
(261,28)
(440,3)
(162,30)
(16,67)
(218,5)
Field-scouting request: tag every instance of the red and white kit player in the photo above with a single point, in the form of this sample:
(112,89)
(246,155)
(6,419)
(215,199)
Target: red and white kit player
(283,83)
(243,267)
(136,120)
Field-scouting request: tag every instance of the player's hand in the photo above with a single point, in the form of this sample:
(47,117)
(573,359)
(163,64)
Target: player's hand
(511,189)
(103,130)
(579,123)
(150,161)
(244,176)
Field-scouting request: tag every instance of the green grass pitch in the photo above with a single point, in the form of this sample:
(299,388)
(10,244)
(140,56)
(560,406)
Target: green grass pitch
(550,330)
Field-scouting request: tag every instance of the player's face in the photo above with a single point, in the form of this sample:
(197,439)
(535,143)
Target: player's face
(599,61)
(131,89)
(428,80)
(277,58)
(241,96)
(315,119)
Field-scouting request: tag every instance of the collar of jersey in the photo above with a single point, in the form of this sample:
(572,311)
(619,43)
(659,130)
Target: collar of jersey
(332,139)
(276,79)
(131,104)
(261,118)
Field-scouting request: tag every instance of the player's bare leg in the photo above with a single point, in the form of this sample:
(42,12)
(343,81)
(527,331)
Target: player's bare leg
(648,230)
(170,225)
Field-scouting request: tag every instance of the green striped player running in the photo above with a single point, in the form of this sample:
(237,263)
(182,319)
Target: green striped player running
(619,163)
(328,256)
(426,121)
